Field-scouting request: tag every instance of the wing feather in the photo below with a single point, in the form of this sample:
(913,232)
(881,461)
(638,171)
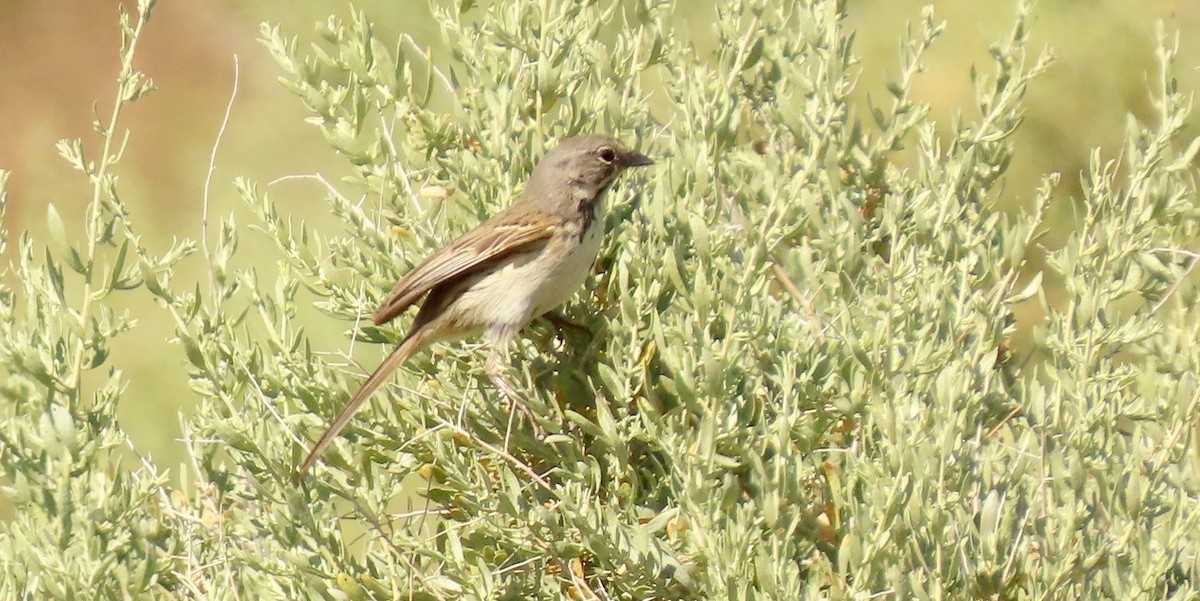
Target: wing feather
(506,232)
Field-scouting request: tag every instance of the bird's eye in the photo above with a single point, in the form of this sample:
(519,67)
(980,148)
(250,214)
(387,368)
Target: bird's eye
(608,155)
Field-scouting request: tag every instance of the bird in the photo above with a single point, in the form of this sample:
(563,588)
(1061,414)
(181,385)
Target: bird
(524,261)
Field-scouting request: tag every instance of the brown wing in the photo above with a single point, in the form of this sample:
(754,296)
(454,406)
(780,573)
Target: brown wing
(506,232)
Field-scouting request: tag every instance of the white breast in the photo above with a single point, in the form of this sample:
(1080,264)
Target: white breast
(571,273)
(530,284)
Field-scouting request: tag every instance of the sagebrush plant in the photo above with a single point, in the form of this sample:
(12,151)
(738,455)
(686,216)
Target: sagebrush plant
(797,381)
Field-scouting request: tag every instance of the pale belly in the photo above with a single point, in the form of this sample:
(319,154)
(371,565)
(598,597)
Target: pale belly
(528,287)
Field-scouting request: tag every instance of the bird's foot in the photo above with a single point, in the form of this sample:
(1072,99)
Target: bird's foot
(514,402)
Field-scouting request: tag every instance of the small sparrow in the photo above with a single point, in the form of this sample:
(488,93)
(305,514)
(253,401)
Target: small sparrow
(524,261)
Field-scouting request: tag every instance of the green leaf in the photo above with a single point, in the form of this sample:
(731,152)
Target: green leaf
(1031,289)
(57,231)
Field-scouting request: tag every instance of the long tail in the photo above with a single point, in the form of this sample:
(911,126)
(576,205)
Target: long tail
(405,350)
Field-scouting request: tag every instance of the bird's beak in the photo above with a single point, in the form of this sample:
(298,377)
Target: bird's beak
(637,159)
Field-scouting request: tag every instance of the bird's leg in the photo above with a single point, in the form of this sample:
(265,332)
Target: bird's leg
(462,410)
(500,337)
(493,372)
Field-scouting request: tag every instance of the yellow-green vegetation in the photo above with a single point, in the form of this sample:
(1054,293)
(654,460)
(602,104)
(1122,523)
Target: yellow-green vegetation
(802,376)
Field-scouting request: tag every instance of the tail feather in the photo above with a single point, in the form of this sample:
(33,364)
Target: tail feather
(405,350)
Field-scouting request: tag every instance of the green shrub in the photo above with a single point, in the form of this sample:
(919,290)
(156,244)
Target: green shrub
(799,379)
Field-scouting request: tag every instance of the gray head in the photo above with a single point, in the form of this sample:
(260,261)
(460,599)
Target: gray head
(579,170)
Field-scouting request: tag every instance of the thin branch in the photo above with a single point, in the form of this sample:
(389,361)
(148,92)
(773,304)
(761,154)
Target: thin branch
(212,167)
(1193,256)
(427,55)
(781,276)
(517,463)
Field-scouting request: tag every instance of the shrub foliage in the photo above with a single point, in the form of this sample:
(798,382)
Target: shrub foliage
(796,375)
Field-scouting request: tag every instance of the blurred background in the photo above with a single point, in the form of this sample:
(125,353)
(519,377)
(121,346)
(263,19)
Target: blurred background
(58,60)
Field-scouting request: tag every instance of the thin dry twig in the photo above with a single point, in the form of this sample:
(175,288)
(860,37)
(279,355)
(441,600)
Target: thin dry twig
(517,463)
(212,168)
(1183,278)
(427,54)
(780,274)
